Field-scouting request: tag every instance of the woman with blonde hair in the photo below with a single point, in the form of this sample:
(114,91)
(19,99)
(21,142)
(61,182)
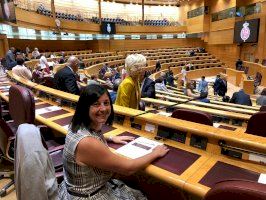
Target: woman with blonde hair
(128,94)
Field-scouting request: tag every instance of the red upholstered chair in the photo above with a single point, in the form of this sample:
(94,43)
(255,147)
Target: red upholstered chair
(21,105)
(22,110)
(237,190)
(256,124)
(6,155)
(193,116)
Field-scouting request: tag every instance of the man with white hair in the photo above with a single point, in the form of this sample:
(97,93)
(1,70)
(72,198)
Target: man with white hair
(128,94)
(65,78)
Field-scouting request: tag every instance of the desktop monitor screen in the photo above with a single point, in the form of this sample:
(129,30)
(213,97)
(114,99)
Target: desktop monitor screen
(108,28)
(7,11)
(247,31)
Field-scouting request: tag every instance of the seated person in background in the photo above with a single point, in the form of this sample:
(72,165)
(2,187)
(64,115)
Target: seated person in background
(35,53)
(239,65)
(82,64)
(62,59)
(189,91)
(241,98)
(159,85)
(128,94)
(109,83)
(103,70)
(65,78)
(147,86)
(88,162)
(170,77)
(21,70)
(261,100)
(114,75)
(93,80)
(203,85)
(37,74)
(113,93)
(192,53)
(158,66)
(44,64)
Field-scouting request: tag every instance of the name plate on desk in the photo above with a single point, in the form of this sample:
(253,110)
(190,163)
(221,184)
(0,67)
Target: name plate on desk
(171,134)
(136,125)
(119,119)
(198,142)
(231,153)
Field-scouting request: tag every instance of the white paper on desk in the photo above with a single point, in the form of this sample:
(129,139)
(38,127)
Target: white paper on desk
(164,114)
(262,179)
(216,125)
(66,127)
(138,148)
(47,110)
(257,158)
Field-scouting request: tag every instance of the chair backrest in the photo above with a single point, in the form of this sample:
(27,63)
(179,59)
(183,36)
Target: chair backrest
(193,116)
(34,171)
(237,189)
(256,124)
(21,105)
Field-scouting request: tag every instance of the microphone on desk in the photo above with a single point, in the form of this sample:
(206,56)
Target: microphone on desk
(148,111)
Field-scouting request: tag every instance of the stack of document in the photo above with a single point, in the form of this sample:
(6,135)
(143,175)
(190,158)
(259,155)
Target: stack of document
(138,148)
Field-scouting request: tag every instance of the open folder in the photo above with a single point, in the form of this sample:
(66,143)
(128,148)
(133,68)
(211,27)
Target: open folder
(138,147)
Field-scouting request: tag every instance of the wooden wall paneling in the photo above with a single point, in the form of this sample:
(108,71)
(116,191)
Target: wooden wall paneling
(226,53)
(223,24)
(149,29)
(104,45)
(221,37)
(206,23)
(55,45)
(3,45)
(195,24)
(219,5)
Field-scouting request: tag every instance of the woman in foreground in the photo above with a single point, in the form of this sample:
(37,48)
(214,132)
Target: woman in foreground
(88,162)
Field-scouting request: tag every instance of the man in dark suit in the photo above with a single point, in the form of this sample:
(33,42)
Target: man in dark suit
(65,78)
(241,98)
(148,87)
(239,65)
(220,86)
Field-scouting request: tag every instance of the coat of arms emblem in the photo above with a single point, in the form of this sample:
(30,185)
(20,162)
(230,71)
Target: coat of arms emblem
(245,32)
(109,29)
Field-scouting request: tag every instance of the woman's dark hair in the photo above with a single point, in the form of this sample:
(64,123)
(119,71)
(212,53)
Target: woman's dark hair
(88,96)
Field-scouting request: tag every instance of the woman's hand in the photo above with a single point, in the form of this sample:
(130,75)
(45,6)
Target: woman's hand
(122,139)
(160,150)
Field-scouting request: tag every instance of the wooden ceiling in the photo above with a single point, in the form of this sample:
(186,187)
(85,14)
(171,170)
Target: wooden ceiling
(154,2)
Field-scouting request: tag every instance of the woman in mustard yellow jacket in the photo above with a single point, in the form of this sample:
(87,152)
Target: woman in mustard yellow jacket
(128,94)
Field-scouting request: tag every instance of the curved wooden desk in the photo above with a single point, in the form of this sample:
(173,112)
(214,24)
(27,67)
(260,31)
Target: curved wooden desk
(188,165)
